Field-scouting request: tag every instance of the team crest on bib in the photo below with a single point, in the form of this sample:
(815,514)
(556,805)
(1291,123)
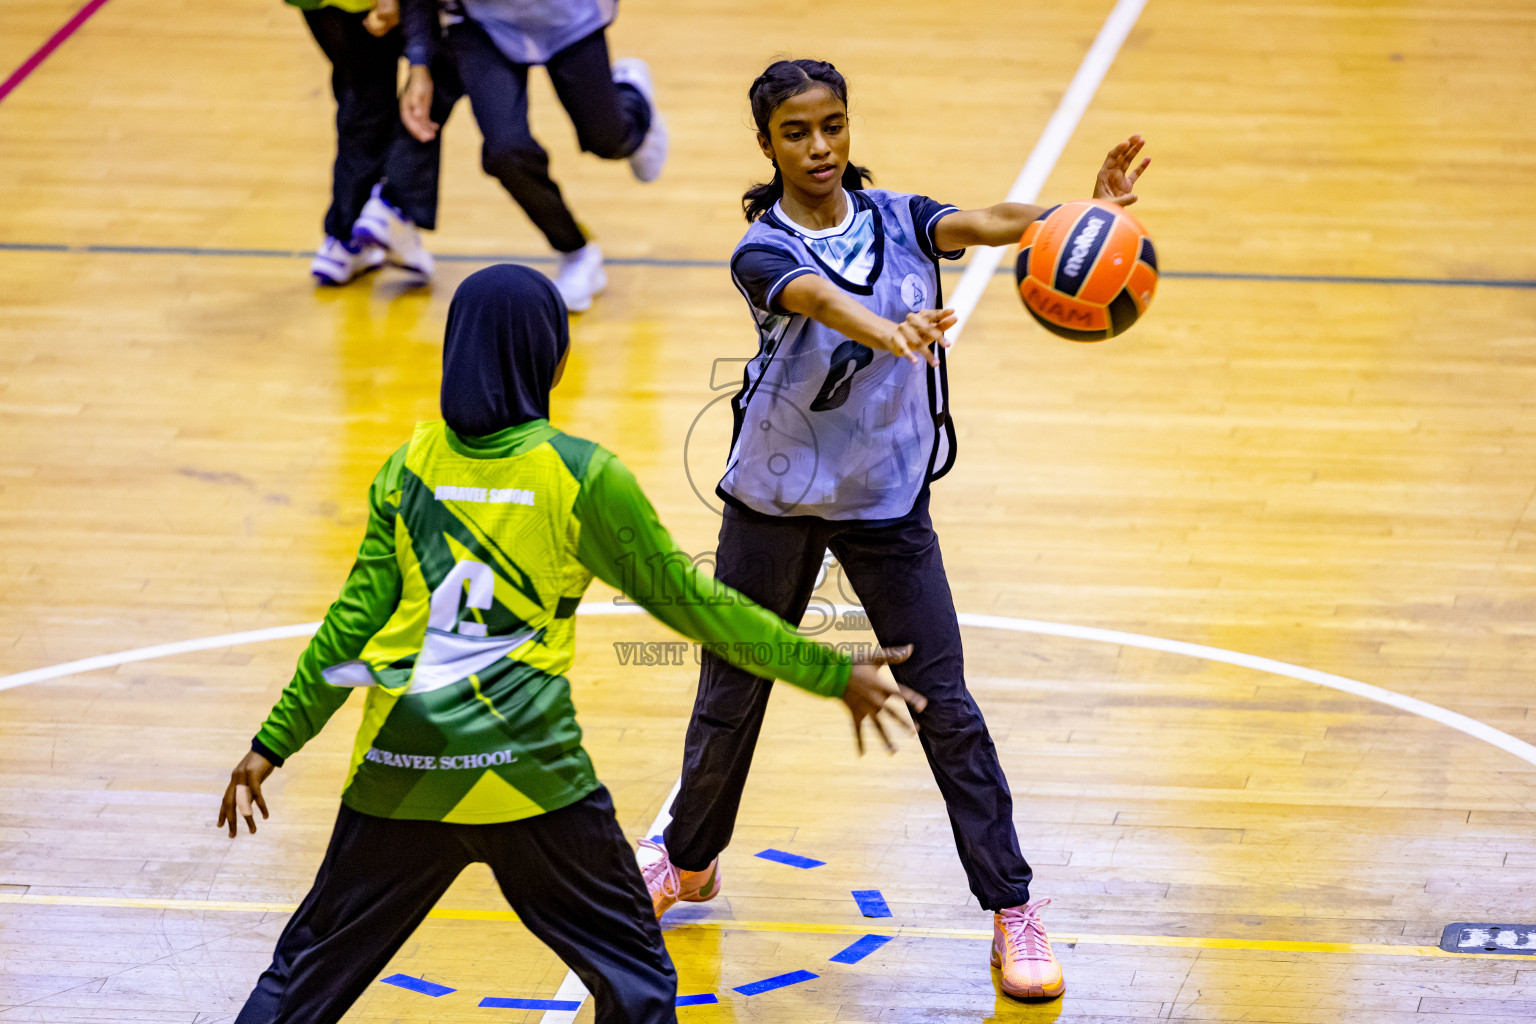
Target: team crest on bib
(913,293)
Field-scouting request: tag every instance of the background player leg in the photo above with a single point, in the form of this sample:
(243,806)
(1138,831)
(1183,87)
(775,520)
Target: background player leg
(612,107)
(498,94)
(377,882)
(571,876)
(412,168)
(775,562)
(407,197)
(615,117)
(363,76)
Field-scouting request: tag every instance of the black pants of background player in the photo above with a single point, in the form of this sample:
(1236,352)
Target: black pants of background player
(610,119)
(898,573)
(570,875)
(371,143)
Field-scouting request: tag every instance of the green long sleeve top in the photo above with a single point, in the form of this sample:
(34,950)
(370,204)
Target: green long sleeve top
(469,715)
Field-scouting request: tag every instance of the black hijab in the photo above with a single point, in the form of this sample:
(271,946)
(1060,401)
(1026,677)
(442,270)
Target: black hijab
(506,333)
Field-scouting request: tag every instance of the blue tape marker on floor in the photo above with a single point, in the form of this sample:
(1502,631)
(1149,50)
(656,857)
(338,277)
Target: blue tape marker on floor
(421,985)
(658,839)
(497,1003)
(769,984)
(861,949)
(699,1000)
(792,859)
(871,903)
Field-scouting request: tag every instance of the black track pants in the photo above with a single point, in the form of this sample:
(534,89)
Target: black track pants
(570,875)
(898,573)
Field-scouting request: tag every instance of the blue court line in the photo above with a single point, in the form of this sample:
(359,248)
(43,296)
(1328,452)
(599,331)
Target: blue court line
(422,985)
(769,984)
(871,903)
(498,1003)
(663,262)
(860,949)
(794,860)
(699,1000)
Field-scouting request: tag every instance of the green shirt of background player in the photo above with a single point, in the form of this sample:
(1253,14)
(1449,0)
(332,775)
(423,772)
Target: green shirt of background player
(458,620)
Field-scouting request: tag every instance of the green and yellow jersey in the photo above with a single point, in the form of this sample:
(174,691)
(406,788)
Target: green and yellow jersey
(351,6)
(458,618)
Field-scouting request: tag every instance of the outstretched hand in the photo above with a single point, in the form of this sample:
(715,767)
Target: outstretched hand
(244,787)
(1117,180)
(913,338)
(868,692)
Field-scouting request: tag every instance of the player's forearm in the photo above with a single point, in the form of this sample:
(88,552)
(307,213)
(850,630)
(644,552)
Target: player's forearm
(832,308)
(366,602)
(995,225)
(627,547)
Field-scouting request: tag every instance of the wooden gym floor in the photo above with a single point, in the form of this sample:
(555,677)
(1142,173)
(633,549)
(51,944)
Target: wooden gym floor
(1293,461)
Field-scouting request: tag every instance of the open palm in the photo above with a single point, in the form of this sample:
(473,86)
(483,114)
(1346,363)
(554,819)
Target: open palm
(1117,179)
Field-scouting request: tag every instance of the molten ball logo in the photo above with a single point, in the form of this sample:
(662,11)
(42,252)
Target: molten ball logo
(1083,246)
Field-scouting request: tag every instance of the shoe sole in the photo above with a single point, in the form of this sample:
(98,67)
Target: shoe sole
(1039,994)
(331,282)
(362,233)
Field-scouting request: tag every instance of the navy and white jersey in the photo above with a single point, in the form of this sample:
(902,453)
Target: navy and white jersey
(826,426)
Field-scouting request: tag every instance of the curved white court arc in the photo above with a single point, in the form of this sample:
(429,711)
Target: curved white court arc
(1413,705)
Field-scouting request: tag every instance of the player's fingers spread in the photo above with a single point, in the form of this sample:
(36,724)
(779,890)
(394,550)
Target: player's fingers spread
(261,804)
(890,655)
(858,735)
(916,701)
(901,723)
(890,748)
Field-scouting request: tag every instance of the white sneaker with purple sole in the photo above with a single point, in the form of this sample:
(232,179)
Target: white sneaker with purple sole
(337,262)
(383,225)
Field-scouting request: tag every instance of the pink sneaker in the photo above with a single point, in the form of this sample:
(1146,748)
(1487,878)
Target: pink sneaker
(1022,952)
(668,884)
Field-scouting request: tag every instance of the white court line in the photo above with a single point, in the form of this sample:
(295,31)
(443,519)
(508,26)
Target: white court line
(1413,705)
(1042,159)
(69,668)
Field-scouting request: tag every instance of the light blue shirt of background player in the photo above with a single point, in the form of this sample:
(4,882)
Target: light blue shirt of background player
(526,31)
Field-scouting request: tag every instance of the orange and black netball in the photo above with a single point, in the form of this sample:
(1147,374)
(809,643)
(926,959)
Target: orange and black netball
(1086,270)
